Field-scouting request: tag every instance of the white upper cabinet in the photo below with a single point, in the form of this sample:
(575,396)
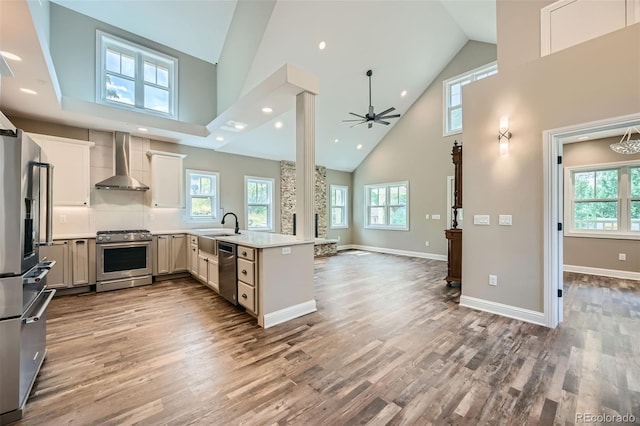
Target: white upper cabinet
(566,23)
(167,180)
(70,159)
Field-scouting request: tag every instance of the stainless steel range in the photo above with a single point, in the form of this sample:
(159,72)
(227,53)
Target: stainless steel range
(123,259)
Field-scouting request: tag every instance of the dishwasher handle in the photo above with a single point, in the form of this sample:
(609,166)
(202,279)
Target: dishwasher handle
(226,248)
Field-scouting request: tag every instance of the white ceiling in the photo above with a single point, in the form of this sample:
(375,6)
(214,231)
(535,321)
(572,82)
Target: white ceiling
(405,43)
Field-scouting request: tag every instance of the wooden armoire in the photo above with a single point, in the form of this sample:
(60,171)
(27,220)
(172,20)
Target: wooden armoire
(454,234)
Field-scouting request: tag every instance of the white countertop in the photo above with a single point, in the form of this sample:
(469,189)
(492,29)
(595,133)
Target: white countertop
(78,236)
(262,239)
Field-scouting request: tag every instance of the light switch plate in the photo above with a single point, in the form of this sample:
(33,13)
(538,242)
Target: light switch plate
(481,219)
(505,219)
(426,216)
(435,216)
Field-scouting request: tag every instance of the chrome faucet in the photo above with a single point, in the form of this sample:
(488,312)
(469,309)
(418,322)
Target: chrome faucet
(237,230)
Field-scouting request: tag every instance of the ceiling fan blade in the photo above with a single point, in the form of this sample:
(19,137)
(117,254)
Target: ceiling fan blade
(344,121)
(386,123)
(386,111)
(357,124)
(357,115)
(388,116)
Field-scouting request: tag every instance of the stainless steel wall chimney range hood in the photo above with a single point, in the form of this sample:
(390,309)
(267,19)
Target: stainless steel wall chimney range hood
(122,155)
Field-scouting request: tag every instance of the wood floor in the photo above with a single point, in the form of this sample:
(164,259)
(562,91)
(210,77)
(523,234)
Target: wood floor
(388,345)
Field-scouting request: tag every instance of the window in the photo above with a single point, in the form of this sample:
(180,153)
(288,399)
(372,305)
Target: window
(339,209)
(133,76)
(259,196)
(453,96)
(387,206)
(202,199)
(603,200)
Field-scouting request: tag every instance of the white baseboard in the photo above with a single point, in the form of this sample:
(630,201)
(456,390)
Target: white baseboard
(613,273)
(399,252)
(345,247)
(286,314)
(508,311)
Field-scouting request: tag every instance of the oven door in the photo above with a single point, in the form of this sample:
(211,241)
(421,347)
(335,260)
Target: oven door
(123,260)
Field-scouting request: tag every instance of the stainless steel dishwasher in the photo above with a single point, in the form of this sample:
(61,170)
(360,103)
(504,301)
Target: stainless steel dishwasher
(227,271)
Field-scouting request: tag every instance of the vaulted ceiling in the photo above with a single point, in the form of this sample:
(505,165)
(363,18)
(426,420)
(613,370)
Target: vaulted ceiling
(405,43)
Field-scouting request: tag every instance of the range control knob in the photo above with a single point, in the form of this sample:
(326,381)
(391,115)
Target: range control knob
(108,237)
(100,238)
(126,237)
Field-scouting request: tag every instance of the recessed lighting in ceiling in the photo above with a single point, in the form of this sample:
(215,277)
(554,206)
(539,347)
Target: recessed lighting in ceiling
(359,146)
(403,93)
(322,45)
(239,126)
(233,126)
(143,129)
(278,124)
(583,138)
(219,138)
(267,110)
(9,55)
(336,140)
(29,91)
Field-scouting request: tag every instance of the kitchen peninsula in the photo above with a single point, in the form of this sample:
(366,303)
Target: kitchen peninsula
(275,275)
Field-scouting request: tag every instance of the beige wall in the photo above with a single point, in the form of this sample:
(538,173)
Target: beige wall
(592,81)
(599,252)
(415,150)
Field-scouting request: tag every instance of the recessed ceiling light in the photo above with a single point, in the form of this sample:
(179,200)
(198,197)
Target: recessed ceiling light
(403,93)
(583,138)
(336,140)
(219,138)
(29,91)
(9,55)
(239,126)
(359,146)
(267,110)
(322,45)
(278,124)
(143,129)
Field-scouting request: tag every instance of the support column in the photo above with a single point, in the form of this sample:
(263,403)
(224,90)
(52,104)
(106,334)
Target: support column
(305,165)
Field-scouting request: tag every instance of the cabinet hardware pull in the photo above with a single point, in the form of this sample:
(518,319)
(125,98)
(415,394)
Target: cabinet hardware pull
(244,271)
(244,253)
(244,296)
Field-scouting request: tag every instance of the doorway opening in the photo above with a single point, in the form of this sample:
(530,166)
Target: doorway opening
(553,183)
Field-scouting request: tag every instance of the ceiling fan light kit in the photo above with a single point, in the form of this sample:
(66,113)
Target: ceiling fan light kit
(371,117)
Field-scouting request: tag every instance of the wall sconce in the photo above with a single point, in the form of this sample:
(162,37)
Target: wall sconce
(504,135)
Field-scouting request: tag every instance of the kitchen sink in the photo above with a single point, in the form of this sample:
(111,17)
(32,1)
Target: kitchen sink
(213,232)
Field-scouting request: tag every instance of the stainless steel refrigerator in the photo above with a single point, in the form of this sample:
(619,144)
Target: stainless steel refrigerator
(25,223)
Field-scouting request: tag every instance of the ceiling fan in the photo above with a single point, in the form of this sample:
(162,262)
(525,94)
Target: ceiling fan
(371,117)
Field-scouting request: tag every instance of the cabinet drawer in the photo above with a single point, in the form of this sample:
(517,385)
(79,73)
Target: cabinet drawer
(193,239)
(246,296)
(246,253)
(246,271)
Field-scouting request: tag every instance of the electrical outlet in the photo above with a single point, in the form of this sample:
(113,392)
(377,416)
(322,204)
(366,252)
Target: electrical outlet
(426,216)
(493,280)
(622,256)
(338,238)
(152,217)
(63,218)
(286,250)
(426,243)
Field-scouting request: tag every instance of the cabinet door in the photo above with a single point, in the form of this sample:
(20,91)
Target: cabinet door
(162,254)
(193,259)
(79,262)
(166,181)
(213,280)
(58,277)
(71,183)
(178,253)
(203,268)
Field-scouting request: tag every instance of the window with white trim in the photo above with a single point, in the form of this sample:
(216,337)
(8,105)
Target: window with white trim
(387,206)
(453,96)
(259,201)
(339,206)
(135,77)
(203,201)
(603,200)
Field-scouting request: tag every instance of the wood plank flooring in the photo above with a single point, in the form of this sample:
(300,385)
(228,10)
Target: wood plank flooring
(388,345)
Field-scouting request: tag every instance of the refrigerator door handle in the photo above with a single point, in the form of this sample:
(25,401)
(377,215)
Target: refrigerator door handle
(42,309)
(49,219)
